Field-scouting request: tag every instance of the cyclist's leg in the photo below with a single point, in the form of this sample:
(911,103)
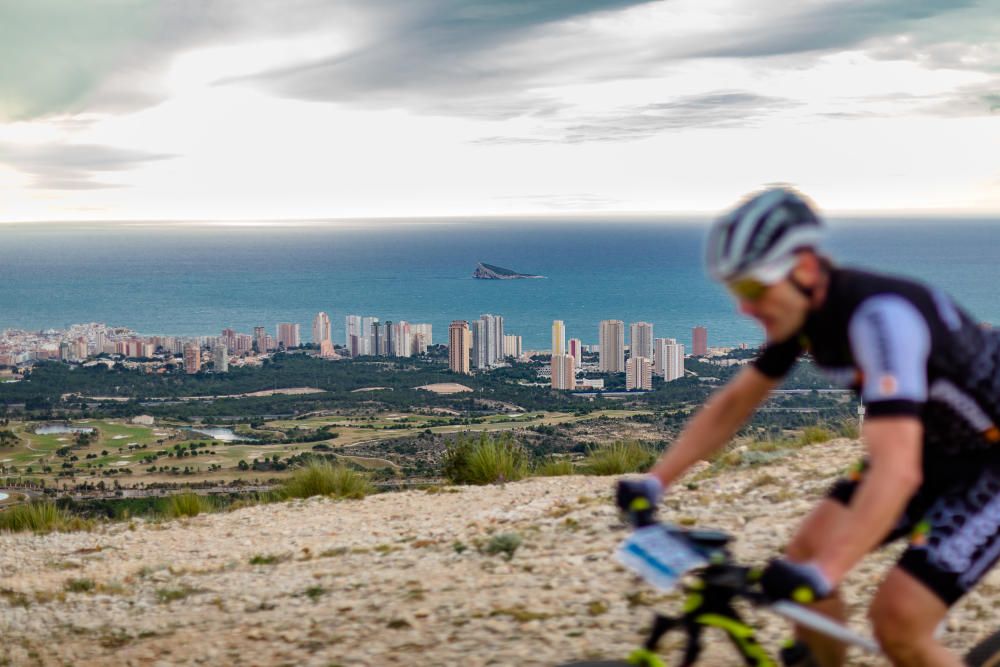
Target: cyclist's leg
(952,549)
(905,613)
(803,547)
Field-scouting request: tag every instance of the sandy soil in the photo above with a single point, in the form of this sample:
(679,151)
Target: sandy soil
(400,578)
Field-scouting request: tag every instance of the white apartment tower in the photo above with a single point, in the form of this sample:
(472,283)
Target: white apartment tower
(668,359)
(612,346)
(563,371)
(576,351)
(641,340)
(638,374)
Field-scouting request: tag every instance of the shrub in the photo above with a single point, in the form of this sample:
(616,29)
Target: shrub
(324,479)
(619,458)
(504,543)
(41,517)
(553,467)
(488,460)
(814,434)
(187,504)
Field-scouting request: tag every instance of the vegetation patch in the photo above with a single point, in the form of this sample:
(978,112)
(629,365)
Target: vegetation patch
(187,505)
(488,460)
(619,458)
(503,543)
(41,517)
(325,479)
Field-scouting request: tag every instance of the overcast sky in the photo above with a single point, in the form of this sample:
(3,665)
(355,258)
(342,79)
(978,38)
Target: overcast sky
(287,109)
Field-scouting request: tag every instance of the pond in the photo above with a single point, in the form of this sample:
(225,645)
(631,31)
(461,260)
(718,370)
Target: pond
(61,429)
(219,433)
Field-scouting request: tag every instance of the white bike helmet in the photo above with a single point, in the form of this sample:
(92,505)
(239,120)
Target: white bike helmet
(760,237)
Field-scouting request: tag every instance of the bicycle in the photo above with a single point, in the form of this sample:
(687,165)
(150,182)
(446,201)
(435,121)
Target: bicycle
(661,554)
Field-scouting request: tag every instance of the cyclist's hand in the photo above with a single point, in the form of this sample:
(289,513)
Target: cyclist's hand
(638,498)
(802,582)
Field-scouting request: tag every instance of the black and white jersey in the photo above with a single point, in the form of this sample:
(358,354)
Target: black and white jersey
(907,349)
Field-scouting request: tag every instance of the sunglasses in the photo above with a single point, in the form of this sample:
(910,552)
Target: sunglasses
(747,289)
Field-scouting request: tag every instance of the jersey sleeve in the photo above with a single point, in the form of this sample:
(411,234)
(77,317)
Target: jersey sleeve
(891,340)
(778,358)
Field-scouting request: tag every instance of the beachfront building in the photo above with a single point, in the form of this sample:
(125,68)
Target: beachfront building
(668,360)
(699,341)
(575,350)
(289,335)
(638,374)
(563,371)
(487,341)
(459,337)
(612,346)
(192,358)
(220,358)
(558,337)
(641,340)
(421,337)
(321,328)
(512,346)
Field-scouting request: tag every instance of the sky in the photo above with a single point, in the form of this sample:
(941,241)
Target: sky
(320,109)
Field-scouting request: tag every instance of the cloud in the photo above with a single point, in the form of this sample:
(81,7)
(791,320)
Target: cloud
(72,167)
(453,57)
(716,109)
(791,28)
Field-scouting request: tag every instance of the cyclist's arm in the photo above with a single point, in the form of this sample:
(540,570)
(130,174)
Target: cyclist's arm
(715,423)
(895,445)
(890,340)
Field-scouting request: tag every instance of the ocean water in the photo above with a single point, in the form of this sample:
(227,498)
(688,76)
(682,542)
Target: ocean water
(198,279)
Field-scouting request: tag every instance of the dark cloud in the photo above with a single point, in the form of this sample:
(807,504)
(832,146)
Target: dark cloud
(718,109)
(72,167)
(451,57)
(805,27)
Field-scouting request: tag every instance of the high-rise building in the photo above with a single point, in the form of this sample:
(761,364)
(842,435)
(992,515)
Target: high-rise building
(321,328)
(576,351)
(260,339)
(352,327)
(192,358)
(402,344)
(377,340)
(612,342)
(563,371)
(638,374)
(390,338)
(668,361)
(220,358)
(699,341)
(558,337)
(368,327)
(487,341)
(458,347)
(288,335)
(421,337)
(326,350)
(641,340)
(512,346)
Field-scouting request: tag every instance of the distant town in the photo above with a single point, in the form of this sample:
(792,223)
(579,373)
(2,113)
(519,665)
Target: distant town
(473,346)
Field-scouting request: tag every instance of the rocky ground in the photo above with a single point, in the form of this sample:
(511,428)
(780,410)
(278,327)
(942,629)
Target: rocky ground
(400,578)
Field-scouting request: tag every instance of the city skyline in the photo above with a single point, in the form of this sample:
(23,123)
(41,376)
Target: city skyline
(231,111)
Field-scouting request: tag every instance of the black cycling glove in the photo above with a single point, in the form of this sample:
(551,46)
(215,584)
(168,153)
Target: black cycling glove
(802,582)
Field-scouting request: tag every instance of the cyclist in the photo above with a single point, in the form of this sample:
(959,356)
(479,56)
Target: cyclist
(930,377)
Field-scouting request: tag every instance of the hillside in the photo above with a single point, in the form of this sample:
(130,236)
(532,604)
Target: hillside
(386,580)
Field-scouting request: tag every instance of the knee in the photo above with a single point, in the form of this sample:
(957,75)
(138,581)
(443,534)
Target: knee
(898,633)
(802,548)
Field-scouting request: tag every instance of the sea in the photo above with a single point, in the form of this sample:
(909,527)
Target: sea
(198,278)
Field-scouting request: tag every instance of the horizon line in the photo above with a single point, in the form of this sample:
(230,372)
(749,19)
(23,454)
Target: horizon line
(693,216)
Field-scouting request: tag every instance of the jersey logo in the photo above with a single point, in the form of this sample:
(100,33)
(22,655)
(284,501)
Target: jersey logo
(888,385)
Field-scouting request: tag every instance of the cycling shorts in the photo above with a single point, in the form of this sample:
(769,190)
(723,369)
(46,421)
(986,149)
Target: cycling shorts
(953,526)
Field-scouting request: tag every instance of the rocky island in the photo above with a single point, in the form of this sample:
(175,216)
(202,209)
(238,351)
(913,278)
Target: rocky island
(491,272)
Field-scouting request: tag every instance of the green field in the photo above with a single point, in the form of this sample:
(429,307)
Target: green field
(121,445)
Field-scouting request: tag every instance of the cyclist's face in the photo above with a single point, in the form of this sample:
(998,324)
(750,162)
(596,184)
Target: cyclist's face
(780,308)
